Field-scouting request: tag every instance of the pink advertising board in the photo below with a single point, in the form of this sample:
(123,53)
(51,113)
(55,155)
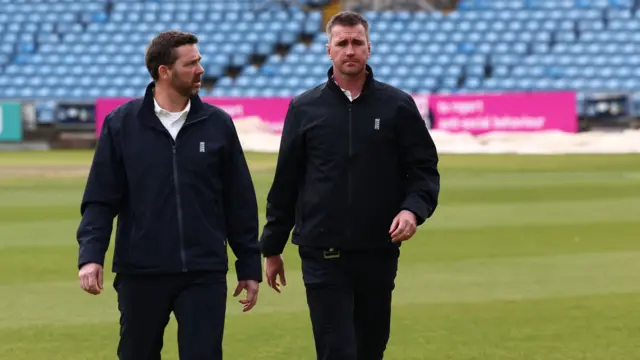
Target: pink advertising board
(472,113)
(504,112)
(268,111)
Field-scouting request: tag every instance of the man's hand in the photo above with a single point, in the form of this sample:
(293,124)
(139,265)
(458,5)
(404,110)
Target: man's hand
(90,276)
(274,267)
(252,293)
(403,226)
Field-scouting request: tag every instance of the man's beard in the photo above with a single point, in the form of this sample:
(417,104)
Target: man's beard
(184,89)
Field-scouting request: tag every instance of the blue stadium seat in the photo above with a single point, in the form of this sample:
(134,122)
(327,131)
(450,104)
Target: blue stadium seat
(48,34)
(47,49)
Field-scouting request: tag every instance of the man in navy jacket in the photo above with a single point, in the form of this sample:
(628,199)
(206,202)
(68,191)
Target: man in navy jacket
(357,174)
(172,169)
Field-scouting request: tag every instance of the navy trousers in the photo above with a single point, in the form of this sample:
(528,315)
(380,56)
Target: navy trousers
(349,298)
(198,301)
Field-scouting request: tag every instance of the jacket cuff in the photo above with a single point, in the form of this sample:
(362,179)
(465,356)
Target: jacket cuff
(421,211)
(249,268)
(271,252)
(270,246)
(90,254)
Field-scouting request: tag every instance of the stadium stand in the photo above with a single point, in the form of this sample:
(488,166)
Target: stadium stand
(487,45)
(83,49)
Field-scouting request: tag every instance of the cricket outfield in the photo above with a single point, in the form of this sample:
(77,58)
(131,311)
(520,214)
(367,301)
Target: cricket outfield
(526,258)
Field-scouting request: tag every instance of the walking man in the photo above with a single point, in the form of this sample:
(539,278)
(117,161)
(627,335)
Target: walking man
(356,174)
(172,169)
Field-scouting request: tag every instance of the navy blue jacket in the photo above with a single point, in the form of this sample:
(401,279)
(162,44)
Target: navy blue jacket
(177,202)
(345,169)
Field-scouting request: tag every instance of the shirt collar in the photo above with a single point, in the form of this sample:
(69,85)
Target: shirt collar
(160,111)
(344,91)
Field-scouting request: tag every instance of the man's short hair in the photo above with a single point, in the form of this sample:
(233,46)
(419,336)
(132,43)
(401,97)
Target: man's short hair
(161,49)
(347,18)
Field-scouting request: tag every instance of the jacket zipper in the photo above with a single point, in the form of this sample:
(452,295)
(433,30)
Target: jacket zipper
(183,255)
(176,183)
(349,186)
(350,154)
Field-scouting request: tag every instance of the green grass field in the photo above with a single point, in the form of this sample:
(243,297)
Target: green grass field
(527,257)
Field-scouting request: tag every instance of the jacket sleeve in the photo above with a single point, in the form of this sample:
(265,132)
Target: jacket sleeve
(241,210)
(101,200)
(419,160)
(282,198)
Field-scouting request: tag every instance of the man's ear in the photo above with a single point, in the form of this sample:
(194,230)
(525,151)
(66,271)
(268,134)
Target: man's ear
(163,71)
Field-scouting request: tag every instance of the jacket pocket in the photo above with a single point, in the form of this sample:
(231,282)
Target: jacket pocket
(206,231)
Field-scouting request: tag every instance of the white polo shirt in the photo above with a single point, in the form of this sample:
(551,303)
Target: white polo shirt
(347,93)
(172,121)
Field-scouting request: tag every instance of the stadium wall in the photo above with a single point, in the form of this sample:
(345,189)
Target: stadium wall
(518,123)
(522,123)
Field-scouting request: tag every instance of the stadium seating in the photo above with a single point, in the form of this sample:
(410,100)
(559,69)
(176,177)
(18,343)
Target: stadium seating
(488,45)
(79,50)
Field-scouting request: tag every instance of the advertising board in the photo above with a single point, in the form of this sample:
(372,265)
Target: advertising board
(504,112)
(10,122)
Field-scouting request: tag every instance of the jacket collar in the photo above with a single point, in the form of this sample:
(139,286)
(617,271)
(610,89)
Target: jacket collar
(148,115)
(368,83)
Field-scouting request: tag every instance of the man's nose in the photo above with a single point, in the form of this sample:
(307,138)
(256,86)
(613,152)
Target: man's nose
(350,50)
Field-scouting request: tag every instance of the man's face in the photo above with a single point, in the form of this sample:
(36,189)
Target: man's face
(349,49)
(186,72)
